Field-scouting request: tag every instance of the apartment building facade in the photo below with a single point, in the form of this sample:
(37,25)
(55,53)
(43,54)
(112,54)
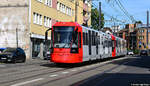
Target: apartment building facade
(136,37)
(129,35)
(142,38)
(33,17)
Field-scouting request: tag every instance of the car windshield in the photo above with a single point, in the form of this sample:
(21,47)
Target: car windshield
(63,36)
(10,50)
(143,51)
(130,51)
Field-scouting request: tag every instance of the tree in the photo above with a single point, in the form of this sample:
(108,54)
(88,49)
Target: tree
(95,18)
(138,22)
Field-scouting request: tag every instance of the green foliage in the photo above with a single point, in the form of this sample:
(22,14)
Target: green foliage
(139,22)
(95,18)
(136,51)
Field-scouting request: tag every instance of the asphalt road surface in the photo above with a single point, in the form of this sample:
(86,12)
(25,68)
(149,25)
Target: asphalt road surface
(124,71)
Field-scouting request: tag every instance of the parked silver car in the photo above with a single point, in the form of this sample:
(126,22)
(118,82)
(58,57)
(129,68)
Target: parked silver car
(130,52)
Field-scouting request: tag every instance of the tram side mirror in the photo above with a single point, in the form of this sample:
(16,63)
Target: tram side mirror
(46,34)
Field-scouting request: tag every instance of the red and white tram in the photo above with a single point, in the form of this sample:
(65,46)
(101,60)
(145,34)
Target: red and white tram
(73,43)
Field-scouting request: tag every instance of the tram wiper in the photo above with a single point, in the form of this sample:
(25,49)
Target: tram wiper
(65,45)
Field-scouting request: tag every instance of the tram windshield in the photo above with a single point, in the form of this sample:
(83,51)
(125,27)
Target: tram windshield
(63,36)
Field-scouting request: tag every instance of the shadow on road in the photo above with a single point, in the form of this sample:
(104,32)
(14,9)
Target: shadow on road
(128,78)
(138,61)
(113,79)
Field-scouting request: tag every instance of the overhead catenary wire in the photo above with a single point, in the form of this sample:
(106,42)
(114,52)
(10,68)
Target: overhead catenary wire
(118,2)
(108,15)
(112,19)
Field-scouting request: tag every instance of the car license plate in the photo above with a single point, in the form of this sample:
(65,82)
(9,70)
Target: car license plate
(3,58)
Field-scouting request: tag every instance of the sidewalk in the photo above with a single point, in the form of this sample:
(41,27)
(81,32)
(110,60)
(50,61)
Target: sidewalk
(37,61)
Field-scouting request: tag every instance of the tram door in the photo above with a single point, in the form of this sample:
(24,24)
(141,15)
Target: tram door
(89,42)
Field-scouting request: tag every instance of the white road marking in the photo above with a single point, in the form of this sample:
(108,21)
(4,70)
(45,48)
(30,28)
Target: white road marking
(53,75)
(74,70)
(87,66)
(80,68)
(92,65)
(65,72)
(27,82)
(2,65)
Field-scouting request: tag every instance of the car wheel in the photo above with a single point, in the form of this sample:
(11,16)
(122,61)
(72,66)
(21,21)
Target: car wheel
(24,59)
(14,60)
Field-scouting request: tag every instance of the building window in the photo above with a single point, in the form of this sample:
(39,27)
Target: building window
(34,18)
(39,0)
(37,18)
(60,7)
(47,22)
(67,10)
(141,31)
(48,3)
(40,19)
(72,12)
(141,37)
(58,4)
(64,9)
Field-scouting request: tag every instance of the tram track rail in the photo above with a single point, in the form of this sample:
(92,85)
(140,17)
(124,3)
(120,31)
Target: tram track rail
(83,71)
(21,69)
(50,72)
(36,75)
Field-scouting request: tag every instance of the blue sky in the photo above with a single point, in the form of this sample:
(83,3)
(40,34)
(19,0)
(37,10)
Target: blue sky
(136,8)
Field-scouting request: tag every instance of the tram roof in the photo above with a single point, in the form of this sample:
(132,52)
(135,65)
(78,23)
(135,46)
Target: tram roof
(66,24)
(76,24)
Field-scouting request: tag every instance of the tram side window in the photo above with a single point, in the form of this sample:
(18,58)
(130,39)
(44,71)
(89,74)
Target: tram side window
(102,41)
(111,43)
(96,38)
(92,38)
(79,39)
(83,38)
(107,43)
(87,39)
